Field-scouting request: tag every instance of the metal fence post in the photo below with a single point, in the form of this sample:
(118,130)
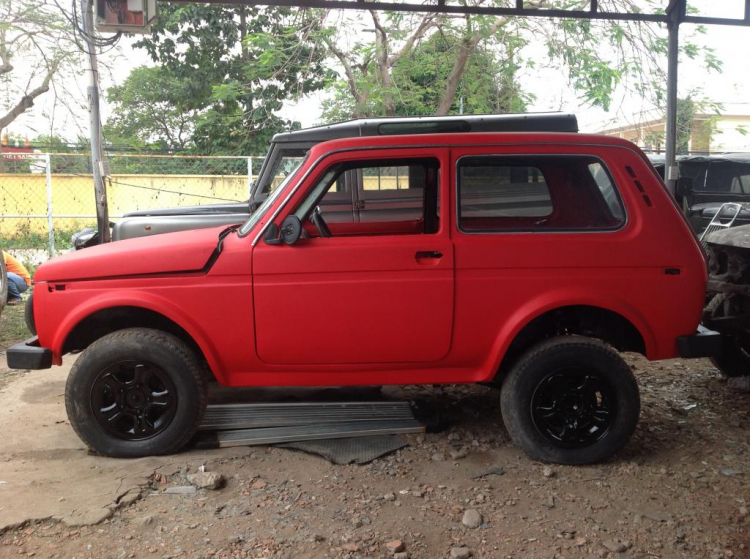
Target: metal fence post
(249,176)
(50,224)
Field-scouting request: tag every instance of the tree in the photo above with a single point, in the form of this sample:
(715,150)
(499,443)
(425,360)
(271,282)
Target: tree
(36,49)
(149,110)
(597,56)
(488,84)
(234,66)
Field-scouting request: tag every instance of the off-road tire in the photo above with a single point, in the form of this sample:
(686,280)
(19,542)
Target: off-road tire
(165,351)
(3,283)
(28,314)
(734,360)
(567,353)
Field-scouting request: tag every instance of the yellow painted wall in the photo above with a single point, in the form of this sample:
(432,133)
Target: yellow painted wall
(26,194)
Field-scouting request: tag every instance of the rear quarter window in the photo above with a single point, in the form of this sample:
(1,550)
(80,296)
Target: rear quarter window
(536,193)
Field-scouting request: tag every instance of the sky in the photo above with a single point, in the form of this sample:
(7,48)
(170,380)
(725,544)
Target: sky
(731,88)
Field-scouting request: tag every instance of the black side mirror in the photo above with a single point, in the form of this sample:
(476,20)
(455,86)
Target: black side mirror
(291,229)
(683,187)
(272,235)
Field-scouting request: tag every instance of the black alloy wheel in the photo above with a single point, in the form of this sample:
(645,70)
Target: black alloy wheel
(574,407)
(133,400)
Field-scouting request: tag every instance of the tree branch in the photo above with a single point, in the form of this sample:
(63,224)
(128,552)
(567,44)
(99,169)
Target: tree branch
(351,78)
(27,101)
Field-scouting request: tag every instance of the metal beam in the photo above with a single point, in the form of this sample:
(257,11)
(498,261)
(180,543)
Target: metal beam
(440,6)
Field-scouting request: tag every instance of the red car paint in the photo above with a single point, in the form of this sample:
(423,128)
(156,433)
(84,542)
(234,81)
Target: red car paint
(366,309)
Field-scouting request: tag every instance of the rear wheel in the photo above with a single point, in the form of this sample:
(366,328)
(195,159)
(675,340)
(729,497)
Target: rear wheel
(570,400)
(136,392)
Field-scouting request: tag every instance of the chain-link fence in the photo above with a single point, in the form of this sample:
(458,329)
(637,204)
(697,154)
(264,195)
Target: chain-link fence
(45,198)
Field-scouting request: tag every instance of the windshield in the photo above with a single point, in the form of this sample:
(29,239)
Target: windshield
(268,202)
(284,165)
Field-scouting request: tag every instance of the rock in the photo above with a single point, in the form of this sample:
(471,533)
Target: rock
(350,546)
(460,553)
(615,546)
(258,484)
(146,520)
(395,546)
(389,496)
(459,454)
(438,457)
(548,472)
(180,490)
(207,480)
(472,519)
(729,472)
(401,555)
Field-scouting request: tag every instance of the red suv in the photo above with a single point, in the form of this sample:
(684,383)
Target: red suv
(525,260)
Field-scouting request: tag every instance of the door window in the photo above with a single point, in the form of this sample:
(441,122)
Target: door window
(376,198)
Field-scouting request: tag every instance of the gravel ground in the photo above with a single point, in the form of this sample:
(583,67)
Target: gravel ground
(681,488)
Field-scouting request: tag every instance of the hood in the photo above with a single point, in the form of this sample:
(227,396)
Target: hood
(733,237)
(207,209)
(185,251)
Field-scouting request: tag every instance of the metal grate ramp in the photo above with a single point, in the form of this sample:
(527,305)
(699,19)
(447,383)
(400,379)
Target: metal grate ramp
(258,424)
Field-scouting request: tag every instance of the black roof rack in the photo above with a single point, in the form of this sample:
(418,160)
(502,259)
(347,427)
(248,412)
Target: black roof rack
(527,122)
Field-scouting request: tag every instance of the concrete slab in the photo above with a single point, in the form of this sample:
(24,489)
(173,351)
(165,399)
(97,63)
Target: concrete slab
(47,472)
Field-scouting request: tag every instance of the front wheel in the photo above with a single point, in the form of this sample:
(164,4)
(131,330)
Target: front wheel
(136,392)
(570,400)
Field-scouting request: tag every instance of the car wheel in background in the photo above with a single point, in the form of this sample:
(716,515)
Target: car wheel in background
(136,392)
(28,315)
(570,400)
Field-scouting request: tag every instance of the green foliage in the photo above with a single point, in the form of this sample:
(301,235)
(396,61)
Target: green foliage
(227,70)
(24,237)
(151,110)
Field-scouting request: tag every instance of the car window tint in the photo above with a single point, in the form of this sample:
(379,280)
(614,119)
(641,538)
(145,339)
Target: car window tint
(527,193)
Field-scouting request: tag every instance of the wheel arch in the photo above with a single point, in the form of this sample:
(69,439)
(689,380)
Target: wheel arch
(625,331)
(104,316)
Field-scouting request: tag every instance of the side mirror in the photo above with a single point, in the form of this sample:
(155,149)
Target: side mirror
(272,235)
(291,229)
(683,187)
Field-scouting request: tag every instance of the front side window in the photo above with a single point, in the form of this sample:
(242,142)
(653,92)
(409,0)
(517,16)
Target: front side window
(529,193)
(376,197)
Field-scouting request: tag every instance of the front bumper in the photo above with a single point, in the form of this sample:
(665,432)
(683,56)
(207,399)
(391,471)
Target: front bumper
(704,343)
(29,355)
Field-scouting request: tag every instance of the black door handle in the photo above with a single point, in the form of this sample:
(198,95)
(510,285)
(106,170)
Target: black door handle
(429,254)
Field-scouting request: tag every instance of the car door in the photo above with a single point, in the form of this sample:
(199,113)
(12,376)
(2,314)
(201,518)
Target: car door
(376,292)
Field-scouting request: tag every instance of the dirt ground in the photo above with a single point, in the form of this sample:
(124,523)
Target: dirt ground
(681,488)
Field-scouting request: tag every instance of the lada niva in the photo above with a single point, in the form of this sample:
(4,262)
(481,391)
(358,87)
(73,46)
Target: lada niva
(522,260)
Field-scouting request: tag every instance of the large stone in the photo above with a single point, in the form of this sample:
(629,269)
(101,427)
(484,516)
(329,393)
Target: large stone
(206,480)
(472,519)
(460,553)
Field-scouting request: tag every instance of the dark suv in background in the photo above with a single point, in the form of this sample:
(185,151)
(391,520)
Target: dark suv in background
(288,149)
(716,179)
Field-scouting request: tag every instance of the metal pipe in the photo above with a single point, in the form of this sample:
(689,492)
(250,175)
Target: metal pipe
(671,171)
(50,223)
(92,91)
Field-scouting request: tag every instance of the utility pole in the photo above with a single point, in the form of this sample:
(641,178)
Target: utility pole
(92,91)
(675,14)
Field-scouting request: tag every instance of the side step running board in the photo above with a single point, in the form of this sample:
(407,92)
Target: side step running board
(272,435)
